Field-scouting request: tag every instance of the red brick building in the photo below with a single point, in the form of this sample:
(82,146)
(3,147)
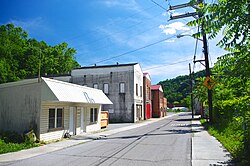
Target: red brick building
(157,101)
(147,96)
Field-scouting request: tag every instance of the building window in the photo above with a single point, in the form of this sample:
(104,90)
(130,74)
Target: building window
(93,115)
(141,91)
(136,89)
(51,118)
(95,86)
(122,87)
(55,118)
(106,88)
(59,118)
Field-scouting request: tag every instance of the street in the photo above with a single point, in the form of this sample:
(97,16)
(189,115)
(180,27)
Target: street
(165,142)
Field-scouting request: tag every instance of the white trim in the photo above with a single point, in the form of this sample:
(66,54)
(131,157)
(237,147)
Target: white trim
(55,122)
(72,120)
(82,119)
(147,76)
(122,87)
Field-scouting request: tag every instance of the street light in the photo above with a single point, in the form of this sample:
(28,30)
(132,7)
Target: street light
(180,36)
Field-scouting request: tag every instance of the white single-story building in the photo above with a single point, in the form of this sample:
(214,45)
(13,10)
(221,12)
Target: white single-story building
(50,107)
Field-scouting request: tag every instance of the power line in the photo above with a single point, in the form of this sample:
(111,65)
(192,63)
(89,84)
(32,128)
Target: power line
(196,45)
(147,30)
(131,16)
(159,5)
(129,52)
(168,64)
(118,32)
(140,48)
(169,6)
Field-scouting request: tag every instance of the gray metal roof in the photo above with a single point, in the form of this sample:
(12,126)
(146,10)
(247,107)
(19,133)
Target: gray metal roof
(68,92)
(106,66)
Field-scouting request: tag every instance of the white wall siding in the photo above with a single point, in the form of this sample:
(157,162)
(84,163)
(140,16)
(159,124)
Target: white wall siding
(78,120)
(47,135)
(54,135)
(94,127)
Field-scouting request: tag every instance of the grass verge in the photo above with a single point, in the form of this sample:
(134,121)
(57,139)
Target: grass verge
(231,136)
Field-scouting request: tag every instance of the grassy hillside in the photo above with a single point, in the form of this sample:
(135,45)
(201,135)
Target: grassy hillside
(177,89)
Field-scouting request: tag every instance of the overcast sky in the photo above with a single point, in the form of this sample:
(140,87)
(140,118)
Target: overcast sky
(111,31)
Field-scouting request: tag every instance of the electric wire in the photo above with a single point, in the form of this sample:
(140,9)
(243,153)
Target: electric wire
(168,3)
(159,5)
(169,11)
(128,52)
(167,64)
(195,50)
(106,46)
(118,32)
(131,16)
(140,48)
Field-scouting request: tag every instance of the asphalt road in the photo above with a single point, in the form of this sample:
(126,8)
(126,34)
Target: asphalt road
(165,142)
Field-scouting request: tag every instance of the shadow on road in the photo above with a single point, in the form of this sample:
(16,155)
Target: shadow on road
(191,125)
(164,133)
(187,114)
(176,131)
(186,119)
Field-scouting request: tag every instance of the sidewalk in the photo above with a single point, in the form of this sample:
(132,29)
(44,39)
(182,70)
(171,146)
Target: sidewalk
(75,140)
(206,150)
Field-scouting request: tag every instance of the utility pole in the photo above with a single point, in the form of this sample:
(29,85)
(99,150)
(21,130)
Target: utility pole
(208,74)
(39,67)
(191,90)
(205,48)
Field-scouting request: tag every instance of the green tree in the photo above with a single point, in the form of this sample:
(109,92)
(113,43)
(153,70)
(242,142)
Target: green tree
(12,42)
(231,95)
(231,16)
(20,56)
(177,89)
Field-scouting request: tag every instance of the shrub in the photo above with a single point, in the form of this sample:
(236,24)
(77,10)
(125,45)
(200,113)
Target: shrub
(12,142)
(11,137)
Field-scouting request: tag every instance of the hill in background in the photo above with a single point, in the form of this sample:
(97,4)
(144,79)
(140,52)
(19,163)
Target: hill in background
(176,90)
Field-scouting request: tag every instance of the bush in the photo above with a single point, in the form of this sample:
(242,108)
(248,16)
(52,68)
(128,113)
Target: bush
(11,137)
(12,142)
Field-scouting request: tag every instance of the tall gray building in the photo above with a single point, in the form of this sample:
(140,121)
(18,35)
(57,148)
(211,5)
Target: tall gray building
(122,83)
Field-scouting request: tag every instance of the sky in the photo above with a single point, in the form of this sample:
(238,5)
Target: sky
(106,32)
